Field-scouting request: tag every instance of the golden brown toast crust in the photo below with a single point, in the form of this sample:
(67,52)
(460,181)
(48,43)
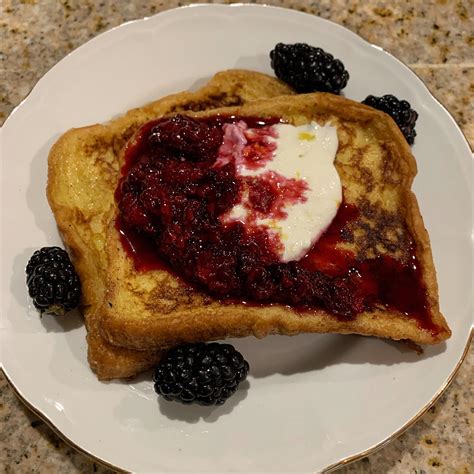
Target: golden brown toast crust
(83,171)
(154,309)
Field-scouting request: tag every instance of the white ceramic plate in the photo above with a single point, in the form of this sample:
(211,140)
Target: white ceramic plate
(312,401)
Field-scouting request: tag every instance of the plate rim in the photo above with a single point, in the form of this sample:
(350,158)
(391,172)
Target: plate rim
(256,6)
(343,462)
(450,378)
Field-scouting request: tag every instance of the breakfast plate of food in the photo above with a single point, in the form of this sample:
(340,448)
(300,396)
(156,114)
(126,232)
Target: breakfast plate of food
(185,192)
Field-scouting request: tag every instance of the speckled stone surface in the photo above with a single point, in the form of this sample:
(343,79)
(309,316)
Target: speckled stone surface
(435,38)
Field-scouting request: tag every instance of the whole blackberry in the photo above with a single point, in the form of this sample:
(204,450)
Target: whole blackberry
(308,69)
(207,374)
(399,110)
(52,281)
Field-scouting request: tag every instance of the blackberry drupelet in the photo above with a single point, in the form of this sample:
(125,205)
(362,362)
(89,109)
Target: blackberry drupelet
(52,281)
(308,69)
(207,374)
(399,110)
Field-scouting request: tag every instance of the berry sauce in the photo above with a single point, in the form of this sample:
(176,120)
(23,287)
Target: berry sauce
(178,187)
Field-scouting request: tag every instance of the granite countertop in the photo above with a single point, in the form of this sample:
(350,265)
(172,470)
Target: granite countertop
(435,38)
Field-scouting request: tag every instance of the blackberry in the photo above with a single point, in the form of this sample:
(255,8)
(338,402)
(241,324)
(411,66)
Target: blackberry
(52,281)
(207,374)
(308,69)
(399,110)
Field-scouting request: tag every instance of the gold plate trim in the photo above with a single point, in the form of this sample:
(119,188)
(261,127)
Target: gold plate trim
(330,468)
(59,433)
(410,422)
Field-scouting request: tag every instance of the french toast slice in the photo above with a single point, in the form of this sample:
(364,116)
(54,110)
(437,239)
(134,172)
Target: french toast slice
(83,171)
(148,310)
